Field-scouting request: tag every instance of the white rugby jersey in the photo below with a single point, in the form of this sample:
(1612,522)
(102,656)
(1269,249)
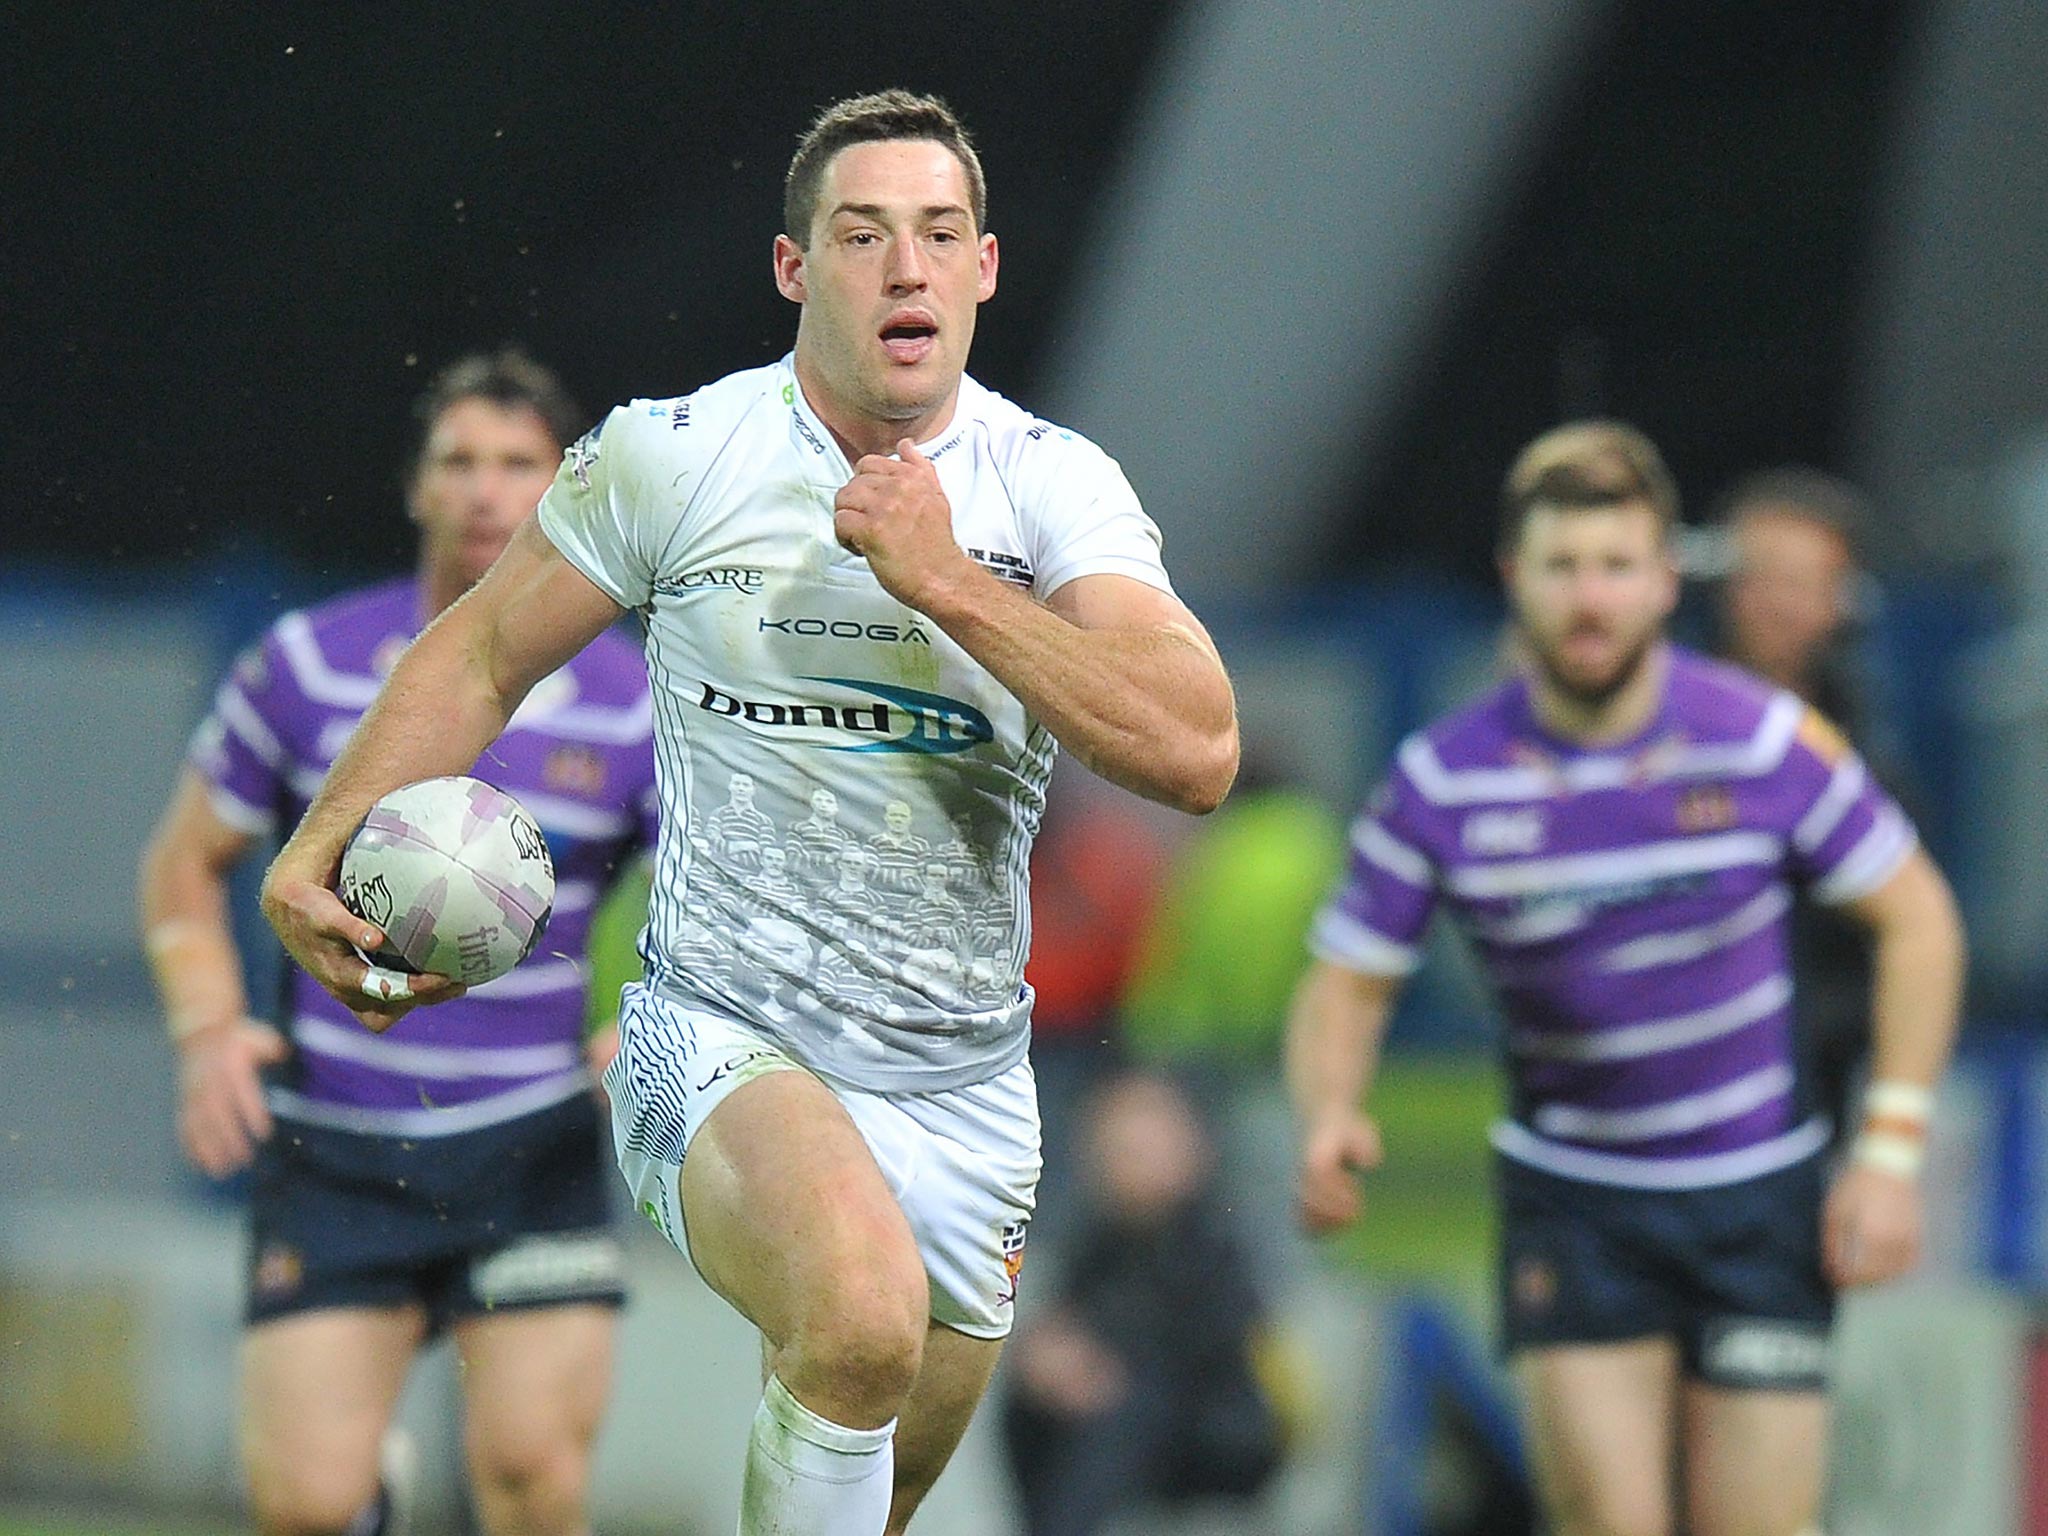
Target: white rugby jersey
(848,798)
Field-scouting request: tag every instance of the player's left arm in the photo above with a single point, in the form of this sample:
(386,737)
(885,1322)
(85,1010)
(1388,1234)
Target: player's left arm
(448,698)
(1121,673)
(1873,1220)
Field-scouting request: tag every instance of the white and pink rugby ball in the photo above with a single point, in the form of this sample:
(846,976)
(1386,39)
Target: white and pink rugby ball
(456,873)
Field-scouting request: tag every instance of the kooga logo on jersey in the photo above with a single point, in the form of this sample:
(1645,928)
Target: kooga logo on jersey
(898,719)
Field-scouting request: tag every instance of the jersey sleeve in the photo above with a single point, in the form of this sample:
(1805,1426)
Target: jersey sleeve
(240,749)
(618,501)
(1084,519)
(1375,921)
(1849,836)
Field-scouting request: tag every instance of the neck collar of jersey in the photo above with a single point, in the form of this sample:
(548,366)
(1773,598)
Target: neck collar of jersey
(1530,724)
(821,446)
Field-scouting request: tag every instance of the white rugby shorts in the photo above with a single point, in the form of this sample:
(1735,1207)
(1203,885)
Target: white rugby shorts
(963,1163)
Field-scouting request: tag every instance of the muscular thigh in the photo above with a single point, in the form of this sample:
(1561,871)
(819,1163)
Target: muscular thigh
(1601,1434)
(784,1208)
(769,1179)
(318,1389)
(1754,1460)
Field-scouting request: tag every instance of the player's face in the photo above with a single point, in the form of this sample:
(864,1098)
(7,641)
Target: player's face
(1591,591)
(484,470)
(1788,592)
(889,286)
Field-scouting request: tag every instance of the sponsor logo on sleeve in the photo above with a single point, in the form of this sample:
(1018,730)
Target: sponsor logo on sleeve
(582,455)
(1014,569)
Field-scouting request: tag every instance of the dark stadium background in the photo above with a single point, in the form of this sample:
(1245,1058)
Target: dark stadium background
(242,236)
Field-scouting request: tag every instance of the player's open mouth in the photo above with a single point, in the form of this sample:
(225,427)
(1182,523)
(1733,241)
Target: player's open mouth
(909,338)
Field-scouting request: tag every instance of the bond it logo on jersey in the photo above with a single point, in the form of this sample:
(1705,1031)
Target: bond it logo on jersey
(895,719)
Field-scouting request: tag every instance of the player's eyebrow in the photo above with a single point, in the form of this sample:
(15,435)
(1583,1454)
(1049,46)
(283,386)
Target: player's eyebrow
(880,214)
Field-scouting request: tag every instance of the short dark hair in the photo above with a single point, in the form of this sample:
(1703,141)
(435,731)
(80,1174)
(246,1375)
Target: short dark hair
(507,378)
(1584,465)
(1798,490)
(873,119)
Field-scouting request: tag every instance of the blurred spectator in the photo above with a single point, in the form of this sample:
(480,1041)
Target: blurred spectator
(1789,603)
(1789,612)
(1220,958)
(1214,977)
(1139,1379)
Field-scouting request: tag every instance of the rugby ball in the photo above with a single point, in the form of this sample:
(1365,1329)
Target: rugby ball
(456,873)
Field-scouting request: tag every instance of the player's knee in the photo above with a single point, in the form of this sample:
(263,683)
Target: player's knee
(1613,1513)
(528,1483)
(312,1499)
(858,1355)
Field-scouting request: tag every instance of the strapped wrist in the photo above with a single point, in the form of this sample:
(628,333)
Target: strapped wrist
(1890,1152)
(196,975)
(1893,1099)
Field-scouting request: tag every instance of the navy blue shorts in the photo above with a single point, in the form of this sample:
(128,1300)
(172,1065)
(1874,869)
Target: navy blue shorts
(1732,1273)
(512,1215)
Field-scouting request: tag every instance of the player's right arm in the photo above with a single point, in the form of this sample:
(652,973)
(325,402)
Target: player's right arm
(448,698)
(182,894)
(1334,1030)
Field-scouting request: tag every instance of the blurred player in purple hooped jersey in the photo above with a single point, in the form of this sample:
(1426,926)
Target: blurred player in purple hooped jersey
(451,1175)
(1619,830)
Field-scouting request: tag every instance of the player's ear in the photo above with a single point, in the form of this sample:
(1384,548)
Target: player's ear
(986,288)
(1668,569)
(789,269)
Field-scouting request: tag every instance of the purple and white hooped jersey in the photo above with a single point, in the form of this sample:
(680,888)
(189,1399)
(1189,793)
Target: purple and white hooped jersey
(578,755)
(1630,904)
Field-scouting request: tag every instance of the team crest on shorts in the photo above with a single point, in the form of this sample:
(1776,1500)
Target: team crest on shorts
(1534,1285)
(1013,1261)
(658,1216)
(280,1271)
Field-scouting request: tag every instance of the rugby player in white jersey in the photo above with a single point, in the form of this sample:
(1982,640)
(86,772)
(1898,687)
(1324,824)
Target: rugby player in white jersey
(861,573)
(1619,830)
